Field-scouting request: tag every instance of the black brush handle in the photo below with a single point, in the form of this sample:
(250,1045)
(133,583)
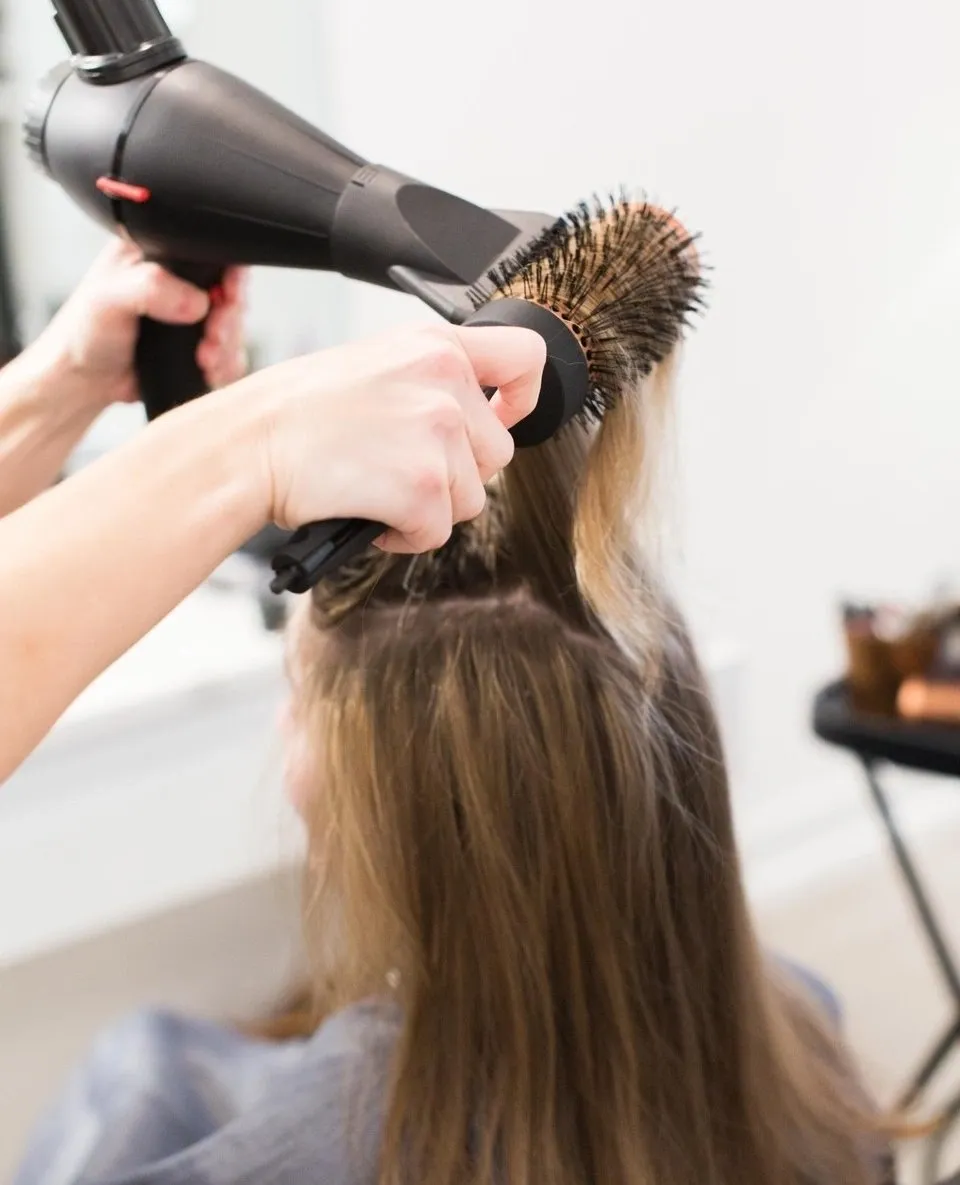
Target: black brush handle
(318,549)
(166,355)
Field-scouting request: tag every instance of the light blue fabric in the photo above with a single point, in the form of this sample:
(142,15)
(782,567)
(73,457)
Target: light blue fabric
(817,990)
(163,1100)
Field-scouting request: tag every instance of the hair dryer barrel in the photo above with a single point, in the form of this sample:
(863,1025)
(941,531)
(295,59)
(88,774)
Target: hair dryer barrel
(195,165)
(198,166)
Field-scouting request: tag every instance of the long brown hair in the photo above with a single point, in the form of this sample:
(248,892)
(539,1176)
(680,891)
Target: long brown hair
(522,824)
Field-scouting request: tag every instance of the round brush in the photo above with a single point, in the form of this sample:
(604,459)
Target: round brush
(610,287)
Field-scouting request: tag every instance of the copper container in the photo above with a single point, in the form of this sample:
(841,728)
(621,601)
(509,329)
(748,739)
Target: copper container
(877,666)
(912,655)
(872,678)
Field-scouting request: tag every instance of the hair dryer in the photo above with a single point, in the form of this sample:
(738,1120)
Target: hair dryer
(202,171)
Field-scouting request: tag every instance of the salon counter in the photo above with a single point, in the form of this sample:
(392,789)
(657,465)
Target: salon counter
(158,787)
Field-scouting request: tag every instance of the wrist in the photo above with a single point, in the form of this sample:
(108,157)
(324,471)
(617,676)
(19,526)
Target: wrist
(47,382)
(226,431)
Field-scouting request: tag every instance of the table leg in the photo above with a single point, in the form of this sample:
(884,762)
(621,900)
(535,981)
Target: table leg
(928,920)
(920,900)
(930,1065)
(935,1144)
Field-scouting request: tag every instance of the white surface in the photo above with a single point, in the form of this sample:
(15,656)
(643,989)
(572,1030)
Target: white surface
(829,830)
(153,789)
(70,870)
(209,639)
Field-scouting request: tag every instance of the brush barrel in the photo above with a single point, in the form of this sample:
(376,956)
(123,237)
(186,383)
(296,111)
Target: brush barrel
(566,376)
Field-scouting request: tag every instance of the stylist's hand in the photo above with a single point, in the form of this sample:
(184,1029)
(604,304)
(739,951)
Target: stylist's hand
(89,345)
(396,430)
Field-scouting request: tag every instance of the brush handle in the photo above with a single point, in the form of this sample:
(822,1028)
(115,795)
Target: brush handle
(166,355)
(317,549)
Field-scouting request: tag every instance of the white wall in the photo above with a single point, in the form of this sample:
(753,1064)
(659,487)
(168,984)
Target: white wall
(816,147)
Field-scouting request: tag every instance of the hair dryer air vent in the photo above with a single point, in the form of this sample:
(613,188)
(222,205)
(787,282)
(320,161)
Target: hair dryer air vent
(35,116)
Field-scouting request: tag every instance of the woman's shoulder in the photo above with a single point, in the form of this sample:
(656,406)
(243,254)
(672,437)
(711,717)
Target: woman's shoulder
(370,1027)
(171,1100)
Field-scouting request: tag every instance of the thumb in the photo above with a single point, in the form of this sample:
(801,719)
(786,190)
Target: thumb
(149,290)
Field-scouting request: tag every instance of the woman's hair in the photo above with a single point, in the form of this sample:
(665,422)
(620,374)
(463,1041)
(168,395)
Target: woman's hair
(522,824)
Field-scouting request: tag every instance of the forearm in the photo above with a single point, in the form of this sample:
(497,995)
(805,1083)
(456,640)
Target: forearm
(44,413)
(91,565)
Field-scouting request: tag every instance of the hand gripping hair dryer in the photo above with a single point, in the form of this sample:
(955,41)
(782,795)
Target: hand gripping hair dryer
(203,171)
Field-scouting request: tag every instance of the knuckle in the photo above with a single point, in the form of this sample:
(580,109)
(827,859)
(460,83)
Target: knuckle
(497,455)
(445,415)
(471,504)
(155,286)
(504,449)
(429,482)
(155,279)
(423,530)
(443,360)
(435,536)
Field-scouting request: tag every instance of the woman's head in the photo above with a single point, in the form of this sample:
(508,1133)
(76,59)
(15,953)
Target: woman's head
(518,816)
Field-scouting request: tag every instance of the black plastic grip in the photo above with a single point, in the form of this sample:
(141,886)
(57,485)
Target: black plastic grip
(166,356)
(314,550)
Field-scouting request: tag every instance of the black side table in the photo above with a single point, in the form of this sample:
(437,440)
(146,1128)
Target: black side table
(933,748)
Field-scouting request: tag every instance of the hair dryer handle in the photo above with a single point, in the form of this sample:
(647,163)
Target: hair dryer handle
(166,355)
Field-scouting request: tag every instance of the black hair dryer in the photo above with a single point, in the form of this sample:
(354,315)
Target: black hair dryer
(203,171)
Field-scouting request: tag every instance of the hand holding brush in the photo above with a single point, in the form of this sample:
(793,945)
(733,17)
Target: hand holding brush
(609,287)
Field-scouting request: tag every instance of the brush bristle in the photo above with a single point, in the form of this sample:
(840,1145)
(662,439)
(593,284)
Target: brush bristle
(625,277)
